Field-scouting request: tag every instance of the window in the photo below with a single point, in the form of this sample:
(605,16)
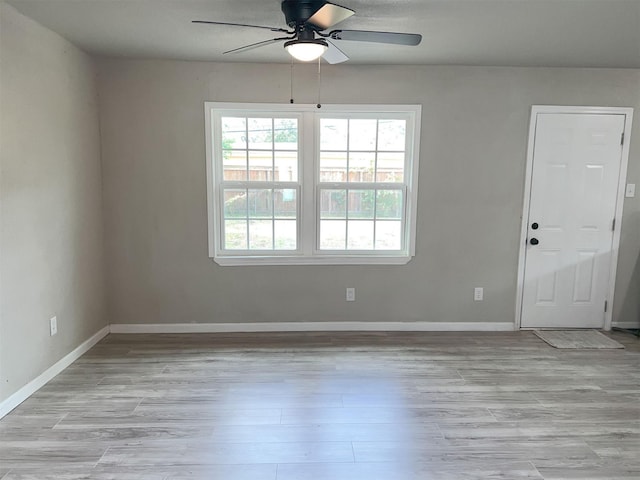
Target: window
(294,184)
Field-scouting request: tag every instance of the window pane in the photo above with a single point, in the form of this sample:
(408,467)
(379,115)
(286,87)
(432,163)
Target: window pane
(360,235)
(285,234)
(260,133)
(333,134)
(260,203)
(285,133)
(235,203)
(333,204)
(390,167)
(391,134)
(286,164)
(260,234)
(358,187)
(333,234)
(362,134)
(388,235)
(361,203)
(361,166)
(234,133)
(260,166)
(333,166)
(389,204)
(234,165)
(285,205)
(235,234)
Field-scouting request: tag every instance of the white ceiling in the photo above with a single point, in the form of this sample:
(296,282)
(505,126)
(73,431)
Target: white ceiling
(574,33)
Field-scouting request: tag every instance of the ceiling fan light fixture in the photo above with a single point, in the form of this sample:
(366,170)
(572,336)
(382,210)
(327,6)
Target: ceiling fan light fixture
(306,50)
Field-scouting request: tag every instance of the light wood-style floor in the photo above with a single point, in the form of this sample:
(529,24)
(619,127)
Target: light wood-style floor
(338,406)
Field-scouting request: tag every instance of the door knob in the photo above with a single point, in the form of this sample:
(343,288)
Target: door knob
(534,241)
(534,226)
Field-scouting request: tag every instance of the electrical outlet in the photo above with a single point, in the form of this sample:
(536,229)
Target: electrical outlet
(53,326)
(351,294)
(478,294)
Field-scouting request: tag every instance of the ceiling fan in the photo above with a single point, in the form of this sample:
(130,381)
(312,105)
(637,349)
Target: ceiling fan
(306,38)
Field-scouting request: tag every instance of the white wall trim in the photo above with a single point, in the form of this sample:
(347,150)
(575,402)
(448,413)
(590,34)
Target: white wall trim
(131,328)
(34,385)
(624,160)
(312,327)
(308,184)
(615,244)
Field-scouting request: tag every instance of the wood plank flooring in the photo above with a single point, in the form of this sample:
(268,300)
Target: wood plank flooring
(392,406)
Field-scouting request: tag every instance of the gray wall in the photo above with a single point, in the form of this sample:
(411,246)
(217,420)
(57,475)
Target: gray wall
(473,148)
(51,246)
(474,138)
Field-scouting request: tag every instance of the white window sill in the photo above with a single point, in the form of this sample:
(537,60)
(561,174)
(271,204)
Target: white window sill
(238,261)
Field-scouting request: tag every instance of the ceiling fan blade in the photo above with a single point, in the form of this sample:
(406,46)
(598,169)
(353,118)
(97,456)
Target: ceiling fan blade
(273,29)
(334,55)
(328,15)
(377,37)
(257,45)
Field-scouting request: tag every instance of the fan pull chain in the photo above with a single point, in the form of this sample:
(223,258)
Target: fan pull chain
(319,78)
(291,83)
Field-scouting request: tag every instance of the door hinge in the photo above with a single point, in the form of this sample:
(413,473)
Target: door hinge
(613,225)
(605,306)
(622,139)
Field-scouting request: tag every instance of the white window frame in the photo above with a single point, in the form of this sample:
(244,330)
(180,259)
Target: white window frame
(307,252)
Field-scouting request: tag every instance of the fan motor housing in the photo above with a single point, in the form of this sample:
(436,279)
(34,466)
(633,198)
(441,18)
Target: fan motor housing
(297,12)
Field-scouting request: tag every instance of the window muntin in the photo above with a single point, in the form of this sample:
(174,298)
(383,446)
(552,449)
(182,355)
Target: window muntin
(362,149)
(260,219)
(358,211)
(361,219)
(295,184)
(259,184)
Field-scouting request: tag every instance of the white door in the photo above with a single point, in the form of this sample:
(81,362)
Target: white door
(572,206)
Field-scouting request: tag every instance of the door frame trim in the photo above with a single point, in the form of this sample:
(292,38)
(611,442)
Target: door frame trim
(622,178)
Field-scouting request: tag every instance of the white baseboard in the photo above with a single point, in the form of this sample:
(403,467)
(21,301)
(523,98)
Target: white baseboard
(312,327)
(627,325)
(34,385)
